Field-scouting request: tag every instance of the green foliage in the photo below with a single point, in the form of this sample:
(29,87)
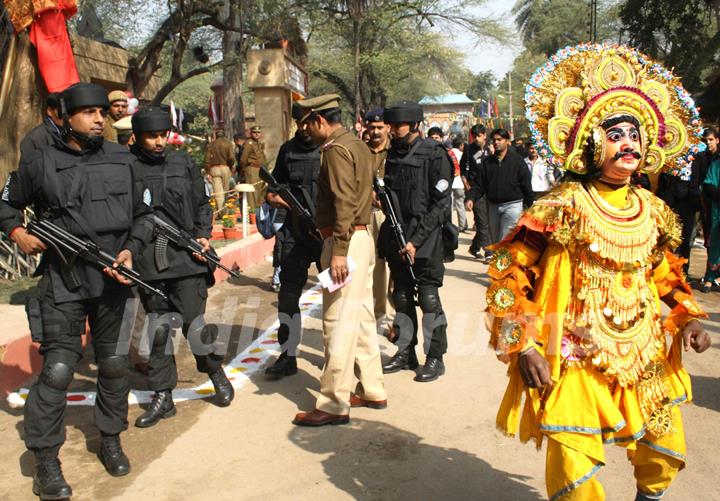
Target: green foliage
(402,47)
(683,35)
(549,25)
(480,85)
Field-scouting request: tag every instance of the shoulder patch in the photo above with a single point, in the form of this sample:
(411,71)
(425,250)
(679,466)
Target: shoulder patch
(442,185)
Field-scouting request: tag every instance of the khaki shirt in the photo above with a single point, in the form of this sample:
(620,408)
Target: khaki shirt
(220,152)
(109,133)
(253,154)
(378,159)
(344,187)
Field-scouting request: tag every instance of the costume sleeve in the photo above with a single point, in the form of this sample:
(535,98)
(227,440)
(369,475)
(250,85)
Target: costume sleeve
(440,182)
(142,228)
(509,297)
(202,221)
(512,306)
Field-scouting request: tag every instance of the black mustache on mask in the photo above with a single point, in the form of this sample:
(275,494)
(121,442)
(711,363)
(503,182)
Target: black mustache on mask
(621,154)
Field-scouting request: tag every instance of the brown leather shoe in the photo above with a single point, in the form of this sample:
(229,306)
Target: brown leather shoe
(319,418)
(356,401)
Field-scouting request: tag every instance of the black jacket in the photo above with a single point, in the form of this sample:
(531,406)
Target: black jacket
(179,197)
(505,180)
(29,186)
(39,137)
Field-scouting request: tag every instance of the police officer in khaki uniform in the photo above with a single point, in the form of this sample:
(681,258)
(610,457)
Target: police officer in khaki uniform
(378,142)
(118,109)
(252,158)
(343,214)
(219,159)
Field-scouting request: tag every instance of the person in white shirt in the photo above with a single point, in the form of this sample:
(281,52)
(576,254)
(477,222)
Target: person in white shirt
(542,175)
(458,186)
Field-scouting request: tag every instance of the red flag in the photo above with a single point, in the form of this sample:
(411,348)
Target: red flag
(497,108)
(56,62)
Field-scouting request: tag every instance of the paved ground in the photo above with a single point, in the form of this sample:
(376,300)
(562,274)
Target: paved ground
(435,441)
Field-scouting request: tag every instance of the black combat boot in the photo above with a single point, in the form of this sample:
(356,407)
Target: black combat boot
(161,407)
(285,365)
(403,359)
(224,391)
(112,456)
(433,369)
(48,482)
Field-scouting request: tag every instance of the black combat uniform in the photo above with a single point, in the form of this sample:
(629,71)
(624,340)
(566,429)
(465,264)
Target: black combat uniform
(297,165)
(179,197)
(43,135)
(39,137)
(419,177)
(93,194)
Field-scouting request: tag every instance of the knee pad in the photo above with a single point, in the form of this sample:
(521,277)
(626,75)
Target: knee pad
(113,367)
(161,335)
(57,375)
(209,334)
(403,299)
(429,301)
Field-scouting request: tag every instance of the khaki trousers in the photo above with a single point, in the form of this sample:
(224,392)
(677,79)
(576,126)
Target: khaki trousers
(252,176)
(382,283)
(220,175)
(349,336)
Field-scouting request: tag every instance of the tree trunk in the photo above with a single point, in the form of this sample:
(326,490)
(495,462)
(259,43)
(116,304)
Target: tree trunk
(357,24)
(233,58)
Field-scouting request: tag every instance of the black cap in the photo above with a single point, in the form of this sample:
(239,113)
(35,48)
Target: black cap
(297,111)
(151,119)
(51,101)
(404,111)
(374,115)
(84,95)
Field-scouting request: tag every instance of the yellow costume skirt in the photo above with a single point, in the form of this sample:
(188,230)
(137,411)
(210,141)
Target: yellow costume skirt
(581,414)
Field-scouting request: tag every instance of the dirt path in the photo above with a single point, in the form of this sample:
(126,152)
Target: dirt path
(435,441)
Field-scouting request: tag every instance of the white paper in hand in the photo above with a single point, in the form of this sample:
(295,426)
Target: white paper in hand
(326,279)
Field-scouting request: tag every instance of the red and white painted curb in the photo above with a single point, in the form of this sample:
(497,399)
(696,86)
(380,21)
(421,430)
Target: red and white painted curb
(238,371)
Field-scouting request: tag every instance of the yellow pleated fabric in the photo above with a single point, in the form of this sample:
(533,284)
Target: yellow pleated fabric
(585,410)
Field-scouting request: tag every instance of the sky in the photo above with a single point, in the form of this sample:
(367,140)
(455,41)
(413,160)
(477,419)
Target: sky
(489,56)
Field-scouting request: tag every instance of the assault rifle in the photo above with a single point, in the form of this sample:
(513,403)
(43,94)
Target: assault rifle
(307,219)
(68,247)
(166,232)
(388,208)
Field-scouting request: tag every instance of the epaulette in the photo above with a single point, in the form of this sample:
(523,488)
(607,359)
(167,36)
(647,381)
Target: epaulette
(668,222)
(546,214)
(327,145)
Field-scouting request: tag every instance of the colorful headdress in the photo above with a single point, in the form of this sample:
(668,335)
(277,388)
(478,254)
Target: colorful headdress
(580,87)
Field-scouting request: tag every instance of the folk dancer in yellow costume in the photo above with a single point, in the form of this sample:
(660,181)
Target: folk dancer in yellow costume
(574,306)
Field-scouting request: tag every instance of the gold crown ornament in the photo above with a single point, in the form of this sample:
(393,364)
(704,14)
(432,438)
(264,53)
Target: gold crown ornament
(577,89)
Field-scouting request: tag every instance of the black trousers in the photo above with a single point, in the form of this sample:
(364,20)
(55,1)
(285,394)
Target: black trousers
(429,274)
(295,261)
(61,349)
(482,229)
(187,298)
(686,210)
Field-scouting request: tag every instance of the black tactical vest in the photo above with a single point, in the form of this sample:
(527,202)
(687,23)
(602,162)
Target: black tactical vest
(304,167)
(170,184)
(408,177)
(92,195)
